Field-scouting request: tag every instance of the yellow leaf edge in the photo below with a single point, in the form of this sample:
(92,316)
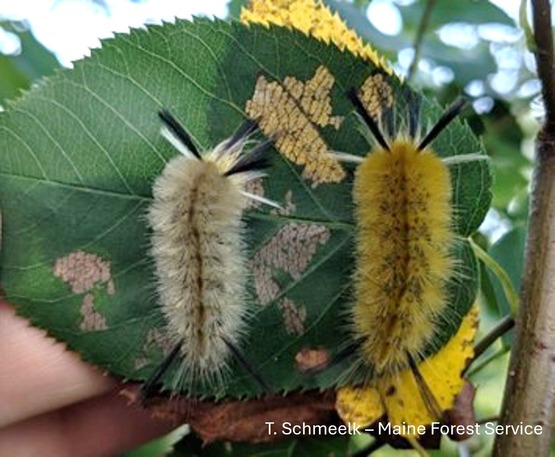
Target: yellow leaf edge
(400,398)
(314,19)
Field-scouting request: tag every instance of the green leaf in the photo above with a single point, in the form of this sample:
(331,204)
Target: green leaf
(234,8)
(467,64)
(510,293)
(502,139)
(445,11)
(80,154)
(13,80)
(35,60)
(508,251)
(18,72)
(162,446)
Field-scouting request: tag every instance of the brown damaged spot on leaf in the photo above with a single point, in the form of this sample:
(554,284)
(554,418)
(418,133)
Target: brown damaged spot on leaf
(92,320)
(291,250)
(308,360)
(288,207)
(294,246)
(293,316)
(266,288)
(243,421)
(254,187)
(291,111)
(82,271)
(376,95)
(140,362)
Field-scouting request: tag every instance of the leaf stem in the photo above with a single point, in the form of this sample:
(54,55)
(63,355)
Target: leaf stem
(510,293)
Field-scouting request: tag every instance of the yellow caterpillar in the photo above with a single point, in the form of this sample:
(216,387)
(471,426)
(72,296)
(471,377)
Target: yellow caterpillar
(404,240)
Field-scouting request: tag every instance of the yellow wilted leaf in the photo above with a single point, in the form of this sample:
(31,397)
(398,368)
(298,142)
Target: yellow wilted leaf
(400,397)
(315,19)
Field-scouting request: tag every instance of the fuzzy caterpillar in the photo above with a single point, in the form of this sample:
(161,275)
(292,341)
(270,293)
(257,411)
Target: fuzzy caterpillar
(198,249)
(404,238)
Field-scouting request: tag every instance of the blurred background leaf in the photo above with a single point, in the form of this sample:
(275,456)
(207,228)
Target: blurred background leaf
(28,62)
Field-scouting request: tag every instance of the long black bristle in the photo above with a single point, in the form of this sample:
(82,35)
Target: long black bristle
(414,106)
(357,102)
(247,366)
(151,385)
(245,130)
(450,113)
(427,395)
(179,131)
(255,159)
(388,122)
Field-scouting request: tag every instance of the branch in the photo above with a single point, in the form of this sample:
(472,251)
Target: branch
(529,395)
(422,26)
(502,327)
(544,58)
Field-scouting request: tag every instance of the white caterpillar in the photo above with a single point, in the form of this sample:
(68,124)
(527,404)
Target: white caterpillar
(198,248)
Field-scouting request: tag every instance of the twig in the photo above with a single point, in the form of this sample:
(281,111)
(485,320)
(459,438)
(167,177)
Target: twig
(544,58)
(500,328)
(476,367)
(422,26)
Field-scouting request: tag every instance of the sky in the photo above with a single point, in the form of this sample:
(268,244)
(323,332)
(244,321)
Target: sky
(53,21)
